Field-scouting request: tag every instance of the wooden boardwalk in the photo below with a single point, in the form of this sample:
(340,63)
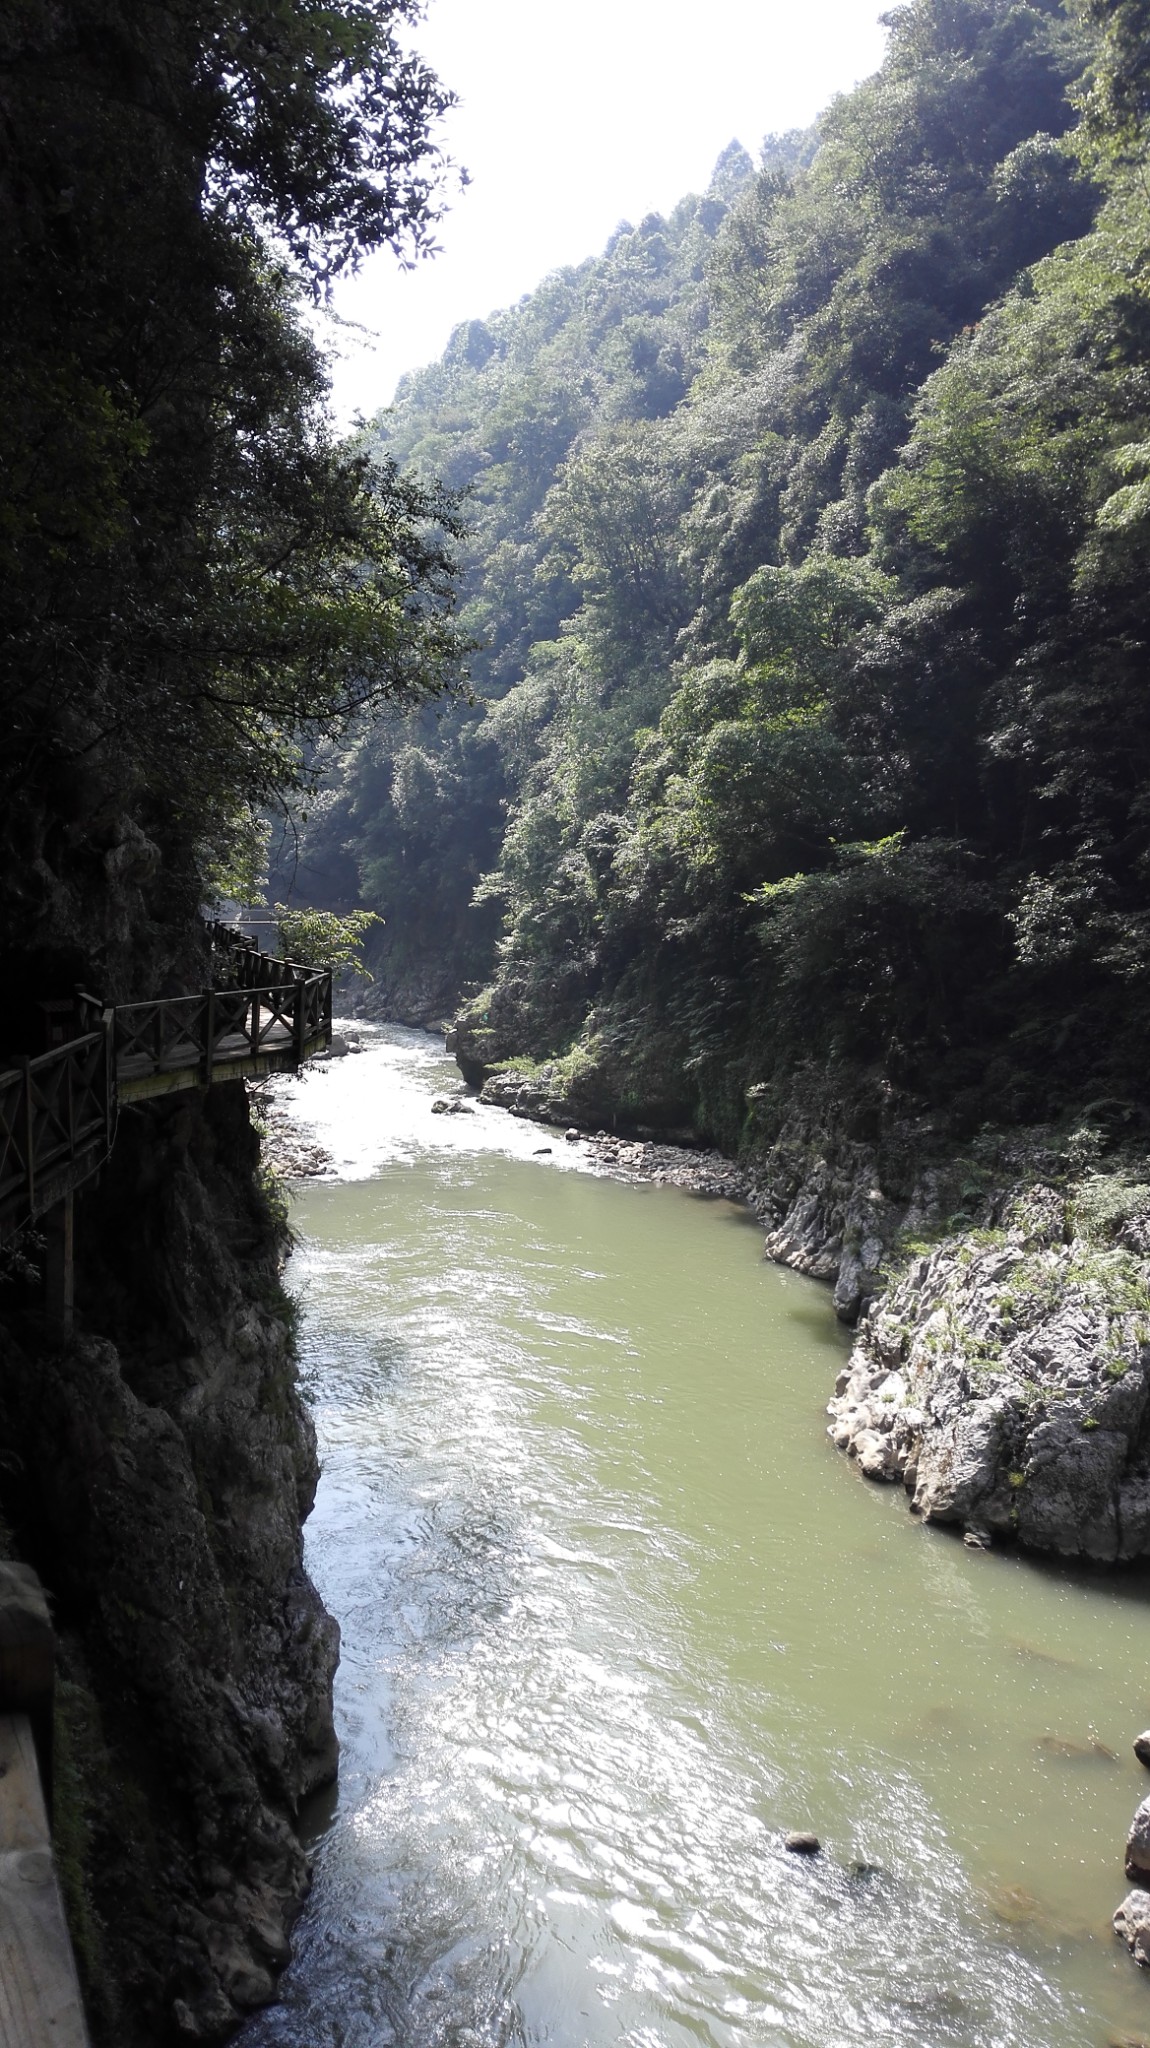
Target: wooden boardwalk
(58,1111)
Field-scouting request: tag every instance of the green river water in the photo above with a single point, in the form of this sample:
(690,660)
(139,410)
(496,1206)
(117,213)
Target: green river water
(617,1616)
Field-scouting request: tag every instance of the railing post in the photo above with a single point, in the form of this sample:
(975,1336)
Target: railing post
(210,1038)
(111,1091)
(298,1023)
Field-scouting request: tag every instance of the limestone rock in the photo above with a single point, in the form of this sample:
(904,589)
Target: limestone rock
(337,1049)
(1138,1845)
(1006,1382)
(1132,1925)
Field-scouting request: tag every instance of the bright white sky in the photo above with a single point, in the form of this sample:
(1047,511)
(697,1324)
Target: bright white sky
(573,118)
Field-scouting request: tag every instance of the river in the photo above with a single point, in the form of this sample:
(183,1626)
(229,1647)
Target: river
(616,1616)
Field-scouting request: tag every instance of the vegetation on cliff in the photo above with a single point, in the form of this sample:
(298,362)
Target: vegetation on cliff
(808,551)
(195,576)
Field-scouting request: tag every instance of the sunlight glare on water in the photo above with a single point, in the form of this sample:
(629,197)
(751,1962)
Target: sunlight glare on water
(616,1617)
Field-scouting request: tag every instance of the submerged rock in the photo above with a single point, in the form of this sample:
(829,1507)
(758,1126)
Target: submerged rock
(1015,1905)
(1075,1752)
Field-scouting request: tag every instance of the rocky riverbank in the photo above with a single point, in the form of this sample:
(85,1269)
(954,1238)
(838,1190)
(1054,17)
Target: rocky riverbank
(1004,1378)
(818,1202)
(286,1149)
(1002,1295)
(832,1206)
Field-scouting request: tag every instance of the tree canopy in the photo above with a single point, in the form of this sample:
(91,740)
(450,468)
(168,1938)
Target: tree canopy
(197,578)
(809,561)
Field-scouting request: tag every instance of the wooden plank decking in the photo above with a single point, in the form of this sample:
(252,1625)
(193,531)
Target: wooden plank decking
(139,1076)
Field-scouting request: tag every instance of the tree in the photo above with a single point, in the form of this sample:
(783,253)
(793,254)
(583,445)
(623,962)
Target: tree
(320,938)
(196,578)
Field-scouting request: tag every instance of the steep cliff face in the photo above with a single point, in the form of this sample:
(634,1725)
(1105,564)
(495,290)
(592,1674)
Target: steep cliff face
(157,1467)
(157,1470)
(1005,1378)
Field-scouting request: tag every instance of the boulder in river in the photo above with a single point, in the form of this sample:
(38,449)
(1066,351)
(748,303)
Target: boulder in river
(1138,1846)
(337,1048)
(1142,1748)
(1132,1925)
(801,1844)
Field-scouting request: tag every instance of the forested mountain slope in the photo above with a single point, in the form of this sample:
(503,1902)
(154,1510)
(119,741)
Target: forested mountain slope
(809,570)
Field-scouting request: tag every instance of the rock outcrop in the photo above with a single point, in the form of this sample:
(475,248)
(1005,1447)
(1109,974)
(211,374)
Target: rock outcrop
(1132,1920)
(1132,1925)
(157,1470)
(1004,1376)
(1005,1381)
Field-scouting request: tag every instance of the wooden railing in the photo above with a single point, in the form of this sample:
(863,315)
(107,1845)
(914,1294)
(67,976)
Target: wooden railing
(58,1111)
(57,1123)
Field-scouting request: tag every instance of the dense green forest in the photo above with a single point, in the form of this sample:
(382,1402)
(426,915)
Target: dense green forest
(807,569)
